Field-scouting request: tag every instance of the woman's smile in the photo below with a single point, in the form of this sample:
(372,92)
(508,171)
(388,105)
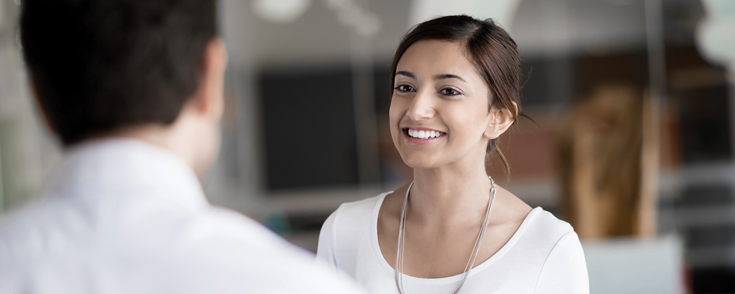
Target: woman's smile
(421,136)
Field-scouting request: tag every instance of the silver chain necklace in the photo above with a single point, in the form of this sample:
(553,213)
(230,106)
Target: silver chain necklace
(475,248)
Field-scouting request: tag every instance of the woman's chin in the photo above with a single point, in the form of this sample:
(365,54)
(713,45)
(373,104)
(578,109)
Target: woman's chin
(420,163)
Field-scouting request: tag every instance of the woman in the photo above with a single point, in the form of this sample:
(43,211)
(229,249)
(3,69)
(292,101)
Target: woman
(456,86)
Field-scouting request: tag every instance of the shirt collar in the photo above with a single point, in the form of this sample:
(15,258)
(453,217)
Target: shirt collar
(129,165)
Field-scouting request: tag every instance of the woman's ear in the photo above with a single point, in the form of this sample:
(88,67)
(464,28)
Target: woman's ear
(499,120)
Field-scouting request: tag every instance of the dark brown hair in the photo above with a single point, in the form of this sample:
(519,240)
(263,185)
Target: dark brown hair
(488,47)
(103,65)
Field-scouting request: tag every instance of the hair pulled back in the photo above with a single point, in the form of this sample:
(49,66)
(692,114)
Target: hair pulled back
(488,47)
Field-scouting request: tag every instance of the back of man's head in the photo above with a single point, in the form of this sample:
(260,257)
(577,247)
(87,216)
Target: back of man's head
(101,65)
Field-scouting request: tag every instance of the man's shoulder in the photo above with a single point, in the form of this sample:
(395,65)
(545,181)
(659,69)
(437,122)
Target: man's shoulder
(217,224)
(56,225)
(231,250)
(210,249)
(41,227)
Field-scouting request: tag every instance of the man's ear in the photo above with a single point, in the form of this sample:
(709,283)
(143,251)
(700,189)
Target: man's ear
(499,120)
(208,99)
(42,114)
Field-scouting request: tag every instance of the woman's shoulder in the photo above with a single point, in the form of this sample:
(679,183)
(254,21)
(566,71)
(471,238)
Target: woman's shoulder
(564,269)
(546,230)
(360,208)
(549,222)
(347,227)
(535,227)
(544,243)
(367,203)
(354,213)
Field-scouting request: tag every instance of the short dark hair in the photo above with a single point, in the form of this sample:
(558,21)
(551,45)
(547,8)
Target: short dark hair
(489,47)
(99,65)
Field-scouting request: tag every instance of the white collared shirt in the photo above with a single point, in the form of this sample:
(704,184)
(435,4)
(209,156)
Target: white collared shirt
(127,217)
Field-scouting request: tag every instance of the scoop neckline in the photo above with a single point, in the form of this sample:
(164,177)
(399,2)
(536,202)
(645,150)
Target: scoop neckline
(503,250)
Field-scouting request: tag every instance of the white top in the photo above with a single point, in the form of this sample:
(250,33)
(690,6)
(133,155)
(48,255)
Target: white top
(128,217)
(543,256)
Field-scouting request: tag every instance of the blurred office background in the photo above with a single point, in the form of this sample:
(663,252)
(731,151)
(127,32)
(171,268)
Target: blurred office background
(633,141)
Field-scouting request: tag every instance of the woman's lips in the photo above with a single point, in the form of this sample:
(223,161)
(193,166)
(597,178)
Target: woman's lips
(421,136)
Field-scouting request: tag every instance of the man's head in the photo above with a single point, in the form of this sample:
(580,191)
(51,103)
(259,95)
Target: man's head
(103,66)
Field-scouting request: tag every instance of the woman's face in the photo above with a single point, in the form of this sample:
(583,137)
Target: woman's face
(439,112)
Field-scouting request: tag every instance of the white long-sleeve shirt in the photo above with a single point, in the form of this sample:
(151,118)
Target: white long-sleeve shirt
(128,217)
(543,256)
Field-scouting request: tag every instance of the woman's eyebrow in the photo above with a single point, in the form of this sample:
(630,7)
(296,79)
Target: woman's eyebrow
(436,77)
(448,76)
(405,73)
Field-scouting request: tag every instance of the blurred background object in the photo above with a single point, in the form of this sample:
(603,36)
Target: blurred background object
(600,162)
(501,11)
(633,141)
(632,266)
(280,11)
(715,33)
(26,153)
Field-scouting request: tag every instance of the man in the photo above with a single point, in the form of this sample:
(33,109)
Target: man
(134,91)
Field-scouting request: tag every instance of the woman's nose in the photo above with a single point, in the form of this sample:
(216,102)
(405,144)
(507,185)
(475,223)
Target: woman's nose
(421,107)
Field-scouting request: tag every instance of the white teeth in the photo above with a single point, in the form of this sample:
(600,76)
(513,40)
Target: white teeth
(423,134)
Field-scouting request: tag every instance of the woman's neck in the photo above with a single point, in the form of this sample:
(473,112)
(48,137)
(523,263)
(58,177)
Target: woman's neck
(450,195)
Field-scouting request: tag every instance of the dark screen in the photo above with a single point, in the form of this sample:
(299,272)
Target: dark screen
(309,128)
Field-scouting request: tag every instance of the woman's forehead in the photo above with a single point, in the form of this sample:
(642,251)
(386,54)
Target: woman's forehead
(436,57)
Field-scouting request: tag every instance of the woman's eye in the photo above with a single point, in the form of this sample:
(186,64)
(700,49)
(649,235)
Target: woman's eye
(404,88)
(449,92)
